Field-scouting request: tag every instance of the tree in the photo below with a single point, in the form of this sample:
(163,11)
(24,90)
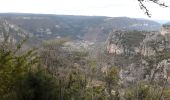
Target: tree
(112,79)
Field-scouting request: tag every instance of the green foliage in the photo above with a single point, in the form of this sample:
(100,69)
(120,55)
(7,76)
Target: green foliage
(55,73)
(166,94)
(37,86)
(112,76)
(142,91)
(112,80)
(96,93)
(21,78)
(13,67)
(132,38)
(75,86)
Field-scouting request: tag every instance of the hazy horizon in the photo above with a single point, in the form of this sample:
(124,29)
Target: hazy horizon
(109,8)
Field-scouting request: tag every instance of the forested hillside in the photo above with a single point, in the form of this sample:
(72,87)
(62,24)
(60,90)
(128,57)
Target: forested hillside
(132,63)
(92,28)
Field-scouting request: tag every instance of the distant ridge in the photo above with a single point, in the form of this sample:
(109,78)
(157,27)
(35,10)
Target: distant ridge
(93,28)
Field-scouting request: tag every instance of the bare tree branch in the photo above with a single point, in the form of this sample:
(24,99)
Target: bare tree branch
(143,7)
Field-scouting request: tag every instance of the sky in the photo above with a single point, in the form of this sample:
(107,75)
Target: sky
(112,8)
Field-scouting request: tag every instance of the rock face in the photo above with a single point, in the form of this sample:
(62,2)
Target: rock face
(165,29)
(12,32)
(141,54)
(130,42)
(134,42)
(152,42)
(113,48)
(163,70)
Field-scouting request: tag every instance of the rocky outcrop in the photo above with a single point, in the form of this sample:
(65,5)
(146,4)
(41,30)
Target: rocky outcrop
(162,71)
(165,29)
(136,42)
(141,60)
(13,32)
